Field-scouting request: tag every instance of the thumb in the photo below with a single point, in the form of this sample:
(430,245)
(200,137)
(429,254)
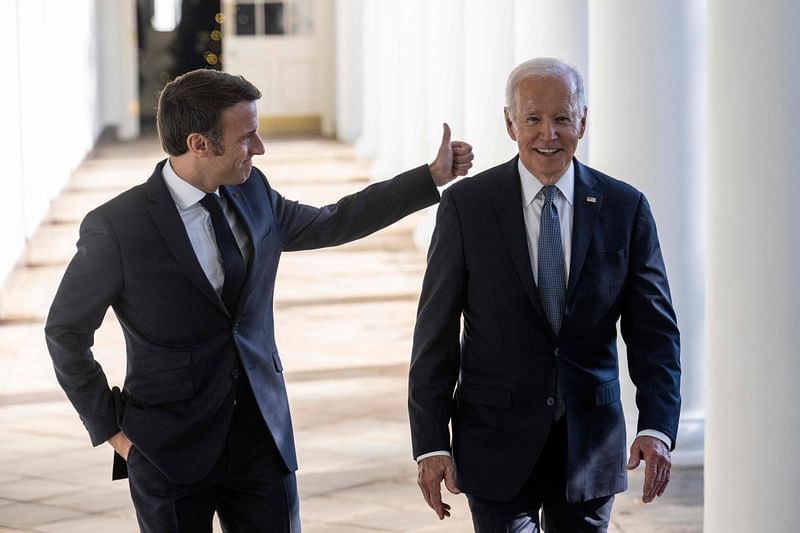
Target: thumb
(450,481)
(634,459)
(445,136)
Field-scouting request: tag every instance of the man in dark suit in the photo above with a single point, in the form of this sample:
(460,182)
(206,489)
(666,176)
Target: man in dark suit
(187,261)
(538,258)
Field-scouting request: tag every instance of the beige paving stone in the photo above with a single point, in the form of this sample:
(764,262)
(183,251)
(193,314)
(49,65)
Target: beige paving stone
(31,515)
(35,444)
(34,489)
(94,523)
(392,519)
(95,475)
(27,294)
(390,493)
(91,501)
(328,508)
(52,245)
(36,465)
(313,526)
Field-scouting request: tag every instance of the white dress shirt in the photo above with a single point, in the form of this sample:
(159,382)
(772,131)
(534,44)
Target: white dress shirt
(532,203)
(197,221)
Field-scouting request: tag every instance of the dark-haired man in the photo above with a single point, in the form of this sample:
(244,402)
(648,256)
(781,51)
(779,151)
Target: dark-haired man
(187,261)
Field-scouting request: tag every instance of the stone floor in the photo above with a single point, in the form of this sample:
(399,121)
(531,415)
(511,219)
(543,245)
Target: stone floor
(344,317)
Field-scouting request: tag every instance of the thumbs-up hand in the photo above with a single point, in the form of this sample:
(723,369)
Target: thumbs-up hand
(453,159)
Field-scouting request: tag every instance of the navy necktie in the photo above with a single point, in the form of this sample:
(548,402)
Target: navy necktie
(232,260)
(552,273)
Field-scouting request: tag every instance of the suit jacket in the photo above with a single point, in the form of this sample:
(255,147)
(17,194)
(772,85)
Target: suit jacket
(184,349)
(495,378)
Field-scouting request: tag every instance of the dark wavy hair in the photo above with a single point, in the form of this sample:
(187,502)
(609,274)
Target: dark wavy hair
(193,103)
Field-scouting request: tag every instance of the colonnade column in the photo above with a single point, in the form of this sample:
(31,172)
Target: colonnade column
(635,93)
(752,475)
(12,216)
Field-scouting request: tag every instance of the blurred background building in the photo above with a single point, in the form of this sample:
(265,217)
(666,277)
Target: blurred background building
(694,102)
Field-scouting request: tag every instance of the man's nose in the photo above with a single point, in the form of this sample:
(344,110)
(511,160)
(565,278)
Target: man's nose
(547,129)
(257,146)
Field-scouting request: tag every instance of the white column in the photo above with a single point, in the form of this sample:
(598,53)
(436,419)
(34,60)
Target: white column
(12,216)
(368,142)
(645,88)
(410,139)
(471,54)
(489,52)
(444,89)
(752,475)
(384,88)
(119,66)
(325,43)
(349,60)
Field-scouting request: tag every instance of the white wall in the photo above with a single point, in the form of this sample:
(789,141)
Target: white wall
(52,86)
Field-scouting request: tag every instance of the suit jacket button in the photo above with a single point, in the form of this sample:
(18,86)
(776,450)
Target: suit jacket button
(235,373)
(550,402)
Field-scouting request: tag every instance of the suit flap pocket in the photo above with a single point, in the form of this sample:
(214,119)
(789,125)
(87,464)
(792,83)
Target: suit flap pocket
(607,393)
(155,393)
(485,395)
(161,362)
(277,360)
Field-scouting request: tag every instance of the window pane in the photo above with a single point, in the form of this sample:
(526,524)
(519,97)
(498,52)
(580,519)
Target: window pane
(273,18)
(245,19)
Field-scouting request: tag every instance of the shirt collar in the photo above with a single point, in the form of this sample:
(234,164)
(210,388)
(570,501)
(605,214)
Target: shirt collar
(531,186)
(183,193)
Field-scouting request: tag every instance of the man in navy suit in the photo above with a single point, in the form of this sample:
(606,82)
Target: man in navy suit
(188,261)
(530,266)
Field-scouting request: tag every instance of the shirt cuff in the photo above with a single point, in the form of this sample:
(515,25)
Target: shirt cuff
(431,454)
(657,434)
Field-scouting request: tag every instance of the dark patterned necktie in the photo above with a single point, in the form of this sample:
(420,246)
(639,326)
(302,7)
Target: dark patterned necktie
(232,260)
(552,274)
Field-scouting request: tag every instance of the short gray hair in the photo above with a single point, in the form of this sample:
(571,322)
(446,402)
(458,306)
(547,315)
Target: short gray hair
(542,67)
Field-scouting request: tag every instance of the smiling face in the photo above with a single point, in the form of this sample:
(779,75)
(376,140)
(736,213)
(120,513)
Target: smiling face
(229,162)
(546,123)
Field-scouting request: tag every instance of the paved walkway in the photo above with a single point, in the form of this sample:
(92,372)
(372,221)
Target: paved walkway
(344,317)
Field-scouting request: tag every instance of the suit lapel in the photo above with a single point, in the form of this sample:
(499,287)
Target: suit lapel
(587,203)
(169,224)
(507,198)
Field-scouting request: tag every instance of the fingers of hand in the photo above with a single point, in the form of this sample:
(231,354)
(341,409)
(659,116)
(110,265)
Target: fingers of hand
(657,473)
(462,159)
(429,478)
(650,476)
(665,481)
(450,480)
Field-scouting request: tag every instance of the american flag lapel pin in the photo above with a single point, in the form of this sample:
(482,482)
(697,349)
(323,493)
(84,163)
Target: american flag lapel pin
(591,199)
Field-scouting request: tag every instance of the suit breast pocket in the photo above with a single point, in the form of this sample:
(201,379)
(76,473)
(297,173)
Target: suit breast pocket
(614,255)
(605,272)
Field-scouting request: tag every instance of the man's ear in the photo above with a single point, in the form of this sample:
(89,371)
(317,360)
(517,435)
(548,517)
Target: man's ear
(583,124)
(198,144)
(509,124)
